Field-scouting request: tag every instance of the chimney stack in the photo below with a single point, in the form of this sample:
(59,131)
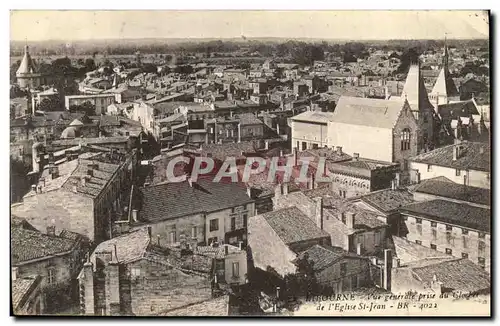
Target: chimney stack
(350,219)
(481,150)
(339,150)
(387,269)
(295,155)
(266,144)
(249,192)
(318,212)
(149,231)
(134,215)
(355,157)
(226,250)
(436,286)
(456,152)
(240,245)
(51,230)
(417,176)
(285,188)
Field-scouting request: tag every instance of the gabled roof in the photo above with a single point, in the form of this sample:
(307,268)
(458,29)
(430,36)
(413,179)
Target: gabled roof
(22,289)
(367,112)
(470,157)
(445,211)
(171,200)
(293,226)
(444,187)
(323,256)
(28,245)
(129,247)
(314,116)
(386,200)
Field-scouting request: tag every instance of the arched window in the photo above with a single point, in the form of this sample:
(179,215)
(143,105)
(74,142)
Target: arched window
(405,139)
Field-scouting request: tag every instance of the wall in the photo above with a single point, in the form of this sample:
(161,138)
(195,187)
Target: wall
(181,225)
(369,142)
(351,185)
(475,178)
(309,132)
(371,241)
(62,208)
(405,120)
(267,249)
(160,288)
(457,242)
(241,259)
(331,276)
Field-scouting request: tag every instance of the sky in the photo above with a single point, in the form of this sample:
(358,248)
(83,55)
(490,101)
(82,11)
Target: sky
(349,25)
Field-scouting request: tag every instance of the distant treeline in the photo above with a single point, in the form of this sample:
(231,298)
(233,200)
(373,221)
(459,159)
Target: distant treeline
(265,48)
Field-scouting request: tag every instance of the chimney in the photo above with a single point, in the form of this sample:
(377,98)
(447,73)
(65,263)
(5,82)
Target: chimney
(295,155)
(266,144)
(14,273)
(355,156)
(350,220)
(310,182)
(481,150)
(249,192)
(226,250)
(190,181)
(417,177)
(318,212)
(387,269)
(83,180)
(158,239)
(134,215)
(397,179)
(393,184)
(33,188)
(339,150)
(285,188)
(240,245)
(149,231)
(51,230)
(456,152)
(359,249)
(281,153)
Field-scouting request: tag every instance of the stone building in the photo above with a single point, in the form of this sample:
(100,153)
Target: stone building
(27,74)
(131,275)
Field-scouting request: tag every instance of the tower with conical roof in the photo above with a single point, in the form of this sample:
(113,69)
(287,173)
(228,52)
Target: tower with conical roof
(415,93)
(27,75)
(444,89)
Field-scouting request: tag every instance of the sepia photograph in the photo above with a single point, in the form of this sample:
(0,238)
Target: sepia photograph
(220,163)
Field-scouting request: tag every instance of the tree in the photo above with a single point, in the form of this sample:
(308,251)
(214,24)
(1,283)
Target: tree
(89,64)
(149,68)
(52,103)
(86,108)
(19,183)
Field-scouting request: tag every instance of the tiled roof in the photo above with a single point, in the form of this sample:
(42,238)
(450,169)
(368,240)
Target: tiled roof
(129,247)
(387,200)
(462,109)
(216,252)
(221,151)
(170,200)
(330,154)
(322,256)
(28,245)
(247,119)
(470,157)
(293,226)
(456,275)
(473,217)
(21,288)
(444,187)
(367,112)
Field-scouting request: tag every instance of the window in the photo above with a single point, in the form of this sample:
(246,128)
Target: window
(418,242)
(212,240)
(236,269)
(419,220)
(135,272)
(481,235)
(354,282)
(457,172)
(304,145)
(481,246)
(433,224)
(343,269)
(434,234)
(465,231)
(419,229)
(233,223)
(465,242)
(465,255)
(405,139)
(315,146)
(433,246)
(405,218)
(245,220)
(214,225)
(429,168)
(482,262)
(51,275)
(448,251)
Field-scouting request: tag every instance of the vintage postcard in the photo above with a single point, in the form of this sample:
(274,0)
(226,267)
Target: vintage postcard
(250,163)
